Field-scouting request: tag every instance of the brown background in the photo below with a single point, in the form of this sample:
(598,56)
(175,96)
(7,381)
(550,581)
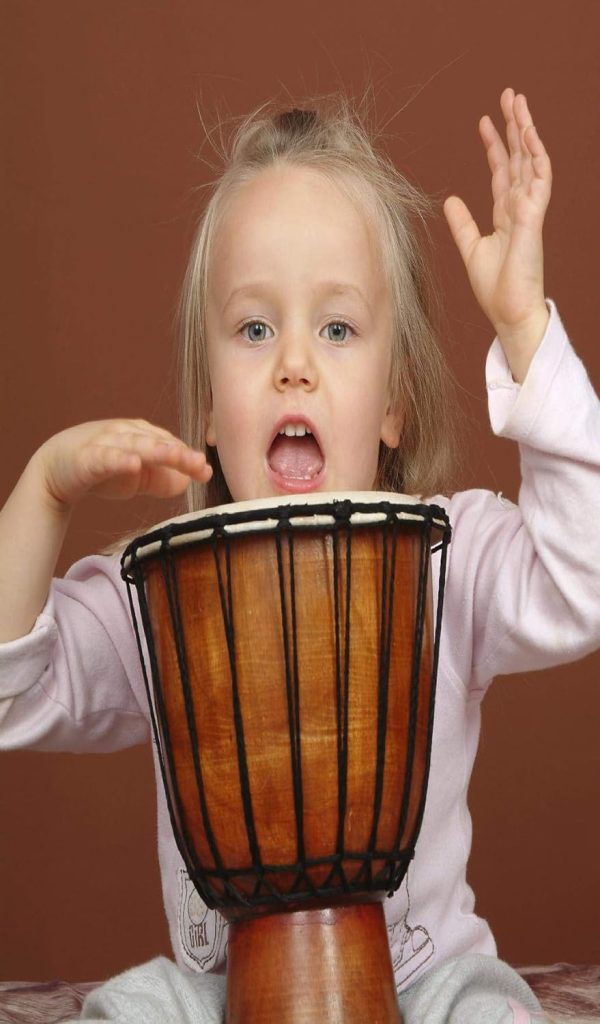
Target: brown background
(100,133)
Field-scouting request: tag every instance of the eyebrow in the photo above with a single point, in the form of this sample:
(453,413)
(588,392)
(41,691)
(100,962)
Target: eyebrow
(325,287)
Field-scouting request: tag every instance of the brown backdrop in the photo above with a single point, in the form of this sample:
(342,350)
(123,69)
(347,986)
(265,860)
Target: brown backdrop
(99,132)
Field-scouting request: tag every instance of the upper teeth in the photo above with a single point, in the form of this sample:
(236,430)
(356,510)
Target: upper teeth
(295,430)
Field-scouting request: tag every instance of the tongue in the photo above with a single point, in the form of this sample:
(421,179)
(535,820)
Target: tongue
(298,458)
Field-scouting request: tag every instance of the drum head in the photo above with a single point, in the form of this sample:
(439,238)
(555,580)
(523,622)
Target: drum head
(308,510)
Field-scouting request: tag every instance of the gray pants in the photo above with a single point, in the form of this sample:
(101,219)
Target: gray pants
(471,989)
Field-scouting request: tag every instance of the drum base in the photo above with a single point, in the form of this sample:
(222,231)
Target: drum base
(331,965)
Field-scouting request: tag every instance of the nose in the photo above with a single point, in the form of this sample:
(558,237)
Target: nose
(295,364)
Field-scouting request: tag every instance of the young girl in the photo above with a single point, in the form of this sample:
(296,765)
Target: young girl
(306,305)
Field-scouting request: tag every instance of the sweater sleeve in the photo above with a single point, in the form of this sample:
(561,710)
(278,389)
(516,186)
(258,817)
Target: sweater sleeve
(74,682)
(524,580)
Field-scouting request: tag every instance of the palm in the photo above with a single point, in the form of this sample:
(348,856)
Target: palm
(505,268)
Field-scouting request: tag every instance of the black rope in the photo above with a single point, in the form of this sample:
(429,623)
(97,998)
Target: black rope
(385,651)
(292,688)
(434,667)
(168,562)
(414,693)
(228,625)
(342,668)
(161,732)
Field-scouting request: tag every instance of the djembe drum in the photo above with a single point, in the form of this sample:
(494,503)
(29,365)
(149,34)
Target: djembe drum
(293,660)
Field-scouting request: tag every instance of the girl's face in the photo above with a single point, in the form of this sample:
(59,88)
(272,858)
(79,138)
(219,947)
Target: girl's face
(299,340)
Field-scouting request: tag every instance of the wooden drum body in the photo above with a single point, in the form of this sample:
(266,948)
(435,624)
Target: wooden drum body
(293,656)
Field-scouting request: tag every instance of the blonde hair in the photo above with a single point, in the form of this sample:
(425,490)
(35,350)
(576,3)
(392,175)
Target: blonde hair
(331,134)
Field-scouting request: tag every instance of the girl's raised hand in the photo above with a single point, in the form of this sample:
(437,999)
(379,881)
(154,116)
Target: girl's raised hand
(506,268)
(117,459)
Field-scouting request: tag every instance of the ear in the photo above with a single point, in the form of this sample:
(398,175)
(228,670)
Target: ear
(391,427)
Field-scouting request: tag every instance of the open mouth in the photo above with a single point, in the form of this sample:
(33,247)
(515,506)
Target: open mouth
(295,458)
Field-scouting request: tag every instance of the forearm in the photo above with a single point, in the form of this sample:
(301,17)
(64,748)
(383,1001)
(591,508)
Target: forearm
(537,600)
(32,530)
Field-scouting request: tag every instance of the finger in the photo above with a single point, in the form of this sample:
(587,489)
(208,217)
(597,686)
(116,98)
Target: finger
(462,225)
(513,136)
(100,462)
(171,457)
(523,121)
(180,456)
(164,482)
(521,112)
(114,472)
(507,100)
(147,452)
(497,157)
(539,160)
(145,444)
(138,426)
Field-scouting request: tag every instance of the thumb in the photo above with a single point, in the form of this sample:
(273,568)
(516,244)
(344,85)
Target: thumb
(464,229)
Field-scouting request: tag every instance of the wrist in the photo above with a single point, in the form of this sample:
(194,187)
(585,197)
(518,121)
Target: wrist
(521,341)
(32,531)
(38,482)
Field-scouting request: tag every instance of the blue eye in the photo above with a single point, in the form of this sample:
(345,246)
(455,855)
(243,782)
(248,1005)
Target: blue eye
(339,323)
(256,326)
(253,324)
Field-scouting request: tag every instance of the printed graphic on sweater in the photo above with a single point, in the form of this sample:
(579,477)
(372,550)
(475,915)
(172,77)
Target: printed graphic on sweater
(410,943)
(203,932)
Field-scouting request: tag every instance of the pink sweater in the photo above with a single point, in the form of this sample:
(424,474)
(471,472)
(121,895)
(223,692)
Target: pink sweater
(522,592)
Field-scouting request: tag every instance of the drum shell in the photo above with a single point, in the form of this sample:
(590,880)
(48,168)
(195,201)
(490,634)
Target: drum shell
(287,689)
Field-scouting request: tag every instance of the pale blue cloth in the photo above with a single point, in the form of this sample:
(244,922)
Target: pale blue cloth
(472,989)
(158,992)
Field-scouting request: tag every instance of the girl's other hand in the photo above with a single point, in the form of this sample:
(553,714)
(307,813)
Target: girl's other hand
(506,268)
(117,459)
